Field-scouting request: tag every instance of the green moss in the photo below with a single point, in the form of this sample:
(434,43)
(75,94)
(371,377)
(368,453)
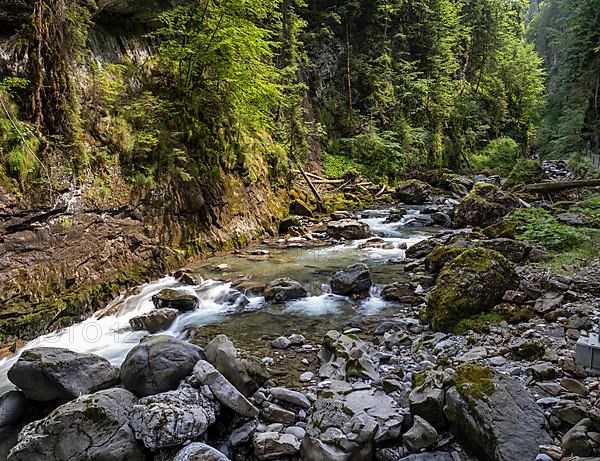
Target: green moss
(479,323)
(473,380)
(440,256)
(502,229)
(525,171)
(418,378)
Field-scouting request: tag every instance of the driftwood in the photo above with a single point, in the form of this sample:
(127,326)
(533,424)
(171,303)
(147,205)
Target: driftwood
(313,189)
(555,186)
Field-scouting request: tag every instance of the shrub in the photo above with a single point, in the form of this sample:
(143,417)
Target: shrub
(499,154)
(525,171)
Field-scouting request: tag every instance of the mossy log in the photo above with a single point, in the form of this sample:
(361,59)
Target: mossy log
(555,186)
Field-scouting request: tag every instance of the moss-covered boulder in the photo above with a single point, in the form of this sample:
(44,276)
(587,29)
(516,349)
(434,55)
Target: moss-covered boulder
(501,229)
(525,171)
(484,205)
(472,283)
(440,256)
(413,192)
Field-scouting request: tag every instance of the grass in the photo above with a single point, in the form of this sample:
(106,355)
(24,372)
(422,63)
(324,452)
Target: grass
(479,322)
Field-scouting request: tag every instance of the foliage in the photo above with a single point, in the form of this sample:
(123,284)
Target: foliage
(479,323)
(500,154)
(525,171)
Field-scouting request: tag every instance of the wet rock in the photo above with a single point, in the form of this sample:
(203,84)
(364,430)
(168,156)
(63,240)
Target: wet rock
(421,220)
(198,451)
(575,442)
(204,374)
(395,215)
(355,279)
(341,215)
(294,397)
(93,427)
(13,406)
(172,418)
(154,321)
(346,356)
(399,292)
(244,371)
(441,219)
(420,435)
(412,192)
(349,229)
(158,364)
(484,205)
(174,299)
(186,277)
(273,445)
(505,425)
(422,248)
(283,289)
(472,283)
(281,343)
(50,373)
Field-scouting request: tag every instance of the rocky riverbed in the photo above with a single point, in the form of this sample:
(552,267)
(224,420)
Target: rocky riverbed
(402,341)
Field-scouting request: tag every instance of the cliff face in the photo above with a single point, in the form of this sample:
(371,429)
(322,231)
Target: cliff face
(68,246)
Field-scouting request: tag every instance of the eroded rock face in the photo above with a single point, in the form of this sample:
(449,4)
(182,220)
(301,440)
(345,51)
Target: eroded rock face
(154,321)
(50,373)
(472,283)
(349,229)
(158,364)
(503,426)
(346,422)
(484,206)
(93,427)
(282,290)
(355,279)
(172,418)
(413,192)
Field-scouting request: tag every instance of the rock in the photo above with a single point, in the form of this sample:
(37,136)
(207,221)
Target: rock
(527,349)
(93,427)
(412,192)
(472,283)
(174,299)
(571,385)
(549,301)
(484,205)
(495,417)
(355,279)
(300,208)
(51,373)
(295,398)
(243,434)
(399,292)
(13,406)
(288,224)
(575,442)
(296,431)
(341,215)
(273,413)
(344,357)
(543,371)
(154,321)
(198,451)
(514,250)
(572,219)
(427,401)
(306,377)
(396,215)
(244,371)
(515,297)
(281,343)
(442,255)
(422,248)
(272,445)
(420,435)
(186,277)
(349,229)
(204,374)
(158,364)
(283,289)
(172,418)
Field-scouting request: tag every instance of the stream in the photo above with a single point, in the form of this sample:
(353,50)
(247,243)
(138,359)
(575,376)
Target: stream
(108,333)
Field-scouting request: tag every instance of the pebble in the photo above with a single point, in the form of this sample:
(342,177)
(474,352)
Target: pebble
(306,377)
(281,343)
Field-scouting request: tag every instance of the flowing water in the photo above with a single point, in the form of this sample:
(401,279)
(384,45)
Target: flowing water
(108,333)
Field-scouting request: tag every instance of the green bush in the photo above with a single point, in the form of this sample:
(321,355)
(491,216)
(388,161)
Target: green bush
(499,154)
(525,171)
(340,166)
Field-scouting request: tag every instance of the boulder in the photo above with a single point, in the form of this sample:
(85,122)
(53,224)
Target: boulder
(198,451)
(413,192)
(346,356)
(420,435)
(154,321)
(396,215)
(51,373)
(204,374)
(172,418)
(273,445)
(355,279)
(93,427)
(496,418)
(422,248)
(13,406)
(514,250)
(244,371)
(576,442)
(484,205)
(281,343)
(174,299)
(349,229)
(340,215)
(399,292)
(472,283)
(283,289)
(299,207)
(158,364)
(427,401)
(274,413)
(441,255)
(296,398)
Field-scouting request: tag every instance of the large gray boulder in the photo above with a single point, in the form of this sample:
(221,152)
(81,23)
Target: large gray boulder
(173,299)
(172,418)
(484,205)
(155,320)
(283,289)
(413,192)
(198,451)
(244,371)
(204,374)
(93,427)
(349,229)
(13,406)
(346,356)
(427,401)
(51,373)
(505,425)
(273,445)
(355,279)
(158,363)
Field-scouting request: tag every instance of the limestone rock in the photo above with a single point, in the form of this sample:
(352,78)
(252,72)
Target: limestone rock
(346,356)
(273,445)
(198,451)
(420,435)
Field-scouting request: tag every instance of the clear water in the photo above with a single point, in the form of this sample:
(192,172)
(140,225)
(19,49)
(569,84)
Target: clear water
(108,334)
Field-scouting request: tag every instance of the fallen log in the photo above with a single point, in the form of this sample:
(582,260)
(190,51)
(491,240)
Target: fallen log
(314,190)
(555,186)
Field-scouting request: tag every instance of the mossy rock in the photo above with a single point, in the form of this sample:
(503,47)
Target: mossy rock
(440,256)
(473,283)
(300,207)
(474,380)
(502,229)
(484,205)
(525,171)
(479,323)
(413,192)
